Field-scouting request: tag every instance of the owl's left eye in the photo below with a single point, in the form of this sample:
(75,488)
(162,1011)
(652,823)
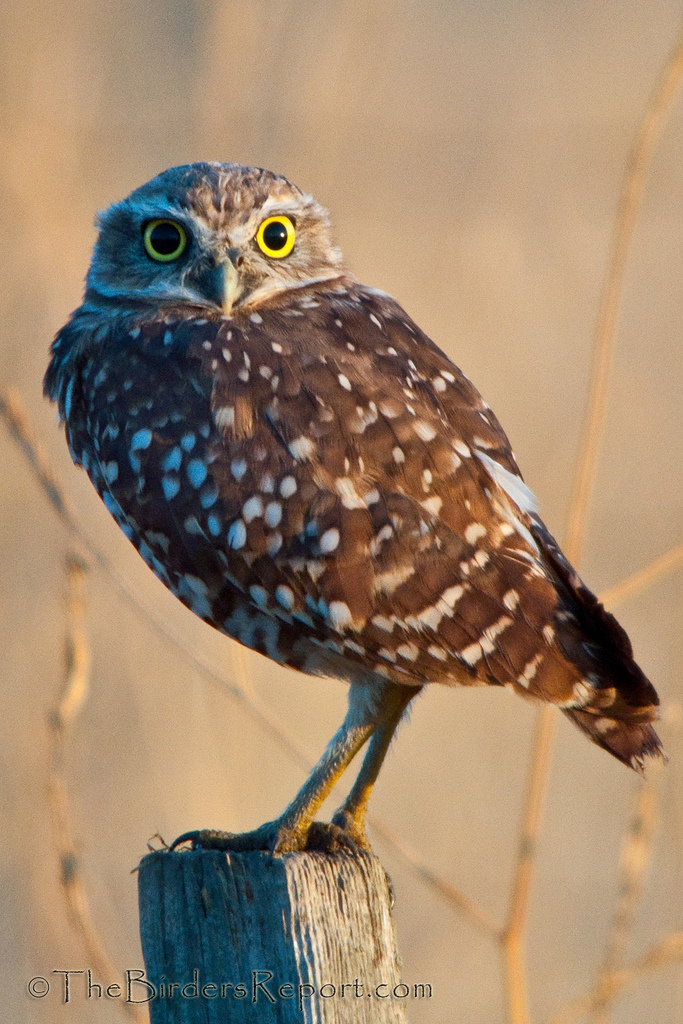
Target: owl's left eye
(275,237)
(164,240)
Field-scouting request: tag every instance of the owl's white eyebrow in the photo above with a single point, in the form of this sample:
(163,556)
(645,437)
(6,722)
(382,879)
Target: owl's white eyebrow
(154,210)
(277,206)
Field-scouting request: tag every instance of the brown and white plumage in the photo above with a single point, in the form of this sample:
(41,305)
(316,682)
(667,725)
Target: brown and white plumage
(311,475)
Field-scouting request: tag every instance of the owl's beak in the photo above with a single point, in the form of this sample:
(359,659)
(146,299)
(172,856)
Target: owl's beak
(231,286)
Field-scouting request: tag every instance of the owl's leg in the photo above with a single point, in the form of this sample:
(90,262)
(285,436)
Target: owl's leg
(350,817)
(370,706)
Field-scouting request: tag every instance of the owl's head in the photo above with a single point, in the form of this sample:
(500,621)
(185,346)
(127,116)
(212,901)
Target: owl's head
(216,236)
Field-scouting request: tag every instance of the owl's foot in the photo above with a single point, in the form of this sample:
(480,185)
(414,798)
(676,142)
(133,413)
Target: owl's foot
(351,824)
(273,837)
(276,837)
(331,838)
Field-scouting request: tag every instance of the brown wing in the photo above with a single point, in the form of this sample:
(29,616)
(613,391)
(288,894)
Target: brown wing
(410,532)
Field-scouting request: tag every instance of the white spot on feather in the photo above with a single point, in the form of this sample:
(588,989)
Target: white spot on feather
(513,485)
(110,471)
(472,654)
(339,614)
(351,645)
(474,531)
(346,490)
(274,543)
(252,508)
(387,582)
(530,670)
(288,486)
(285,596)
(195,591)
(196,472)
(237,535)
(329,540)
(582,693)
(452,595)
(390,410)
(140,440)
(432,505)
(224,417)
(425,431)
(408,651)
(273,514)
(301,448)
(491,632)
(170,486)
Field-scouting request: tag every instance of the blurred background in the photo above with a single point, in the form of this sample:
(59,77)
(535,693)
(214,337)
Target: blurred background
(472,156)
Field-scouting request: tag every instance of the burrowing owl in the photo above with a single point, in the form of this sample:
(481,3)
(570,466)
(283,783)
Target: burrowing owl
(312,476)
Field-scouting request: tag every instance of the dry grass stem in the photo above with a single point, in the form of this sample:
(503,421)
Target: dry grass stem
(13,412)
(513,934)
(70,702)
(645,578)
(636,855)
(659,956)
(626,219)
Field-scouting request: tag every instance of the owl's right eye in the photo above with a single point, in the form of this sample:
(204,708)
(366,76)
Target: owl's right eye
(164,240)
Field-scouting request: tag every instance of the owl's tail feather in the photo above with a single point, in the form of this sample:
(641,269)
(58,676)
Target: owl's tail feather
(623,703)
(629,741)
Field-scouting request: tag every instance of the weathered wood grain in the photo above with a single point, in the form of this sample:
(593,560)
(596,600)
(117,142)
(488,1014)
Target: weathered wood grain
(306,937)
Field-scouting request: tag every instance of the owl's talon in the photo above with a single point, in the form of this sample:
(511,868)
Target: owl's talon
(331,838)
(352,829)
(204,839)
(273,837)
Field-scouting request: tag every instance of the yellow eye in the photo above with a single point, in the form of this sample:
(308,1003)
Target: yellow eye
(276,236)
(164,240)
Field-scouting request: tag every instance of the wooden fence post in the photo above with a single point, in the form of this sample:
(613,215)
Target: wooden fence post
(243,937)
